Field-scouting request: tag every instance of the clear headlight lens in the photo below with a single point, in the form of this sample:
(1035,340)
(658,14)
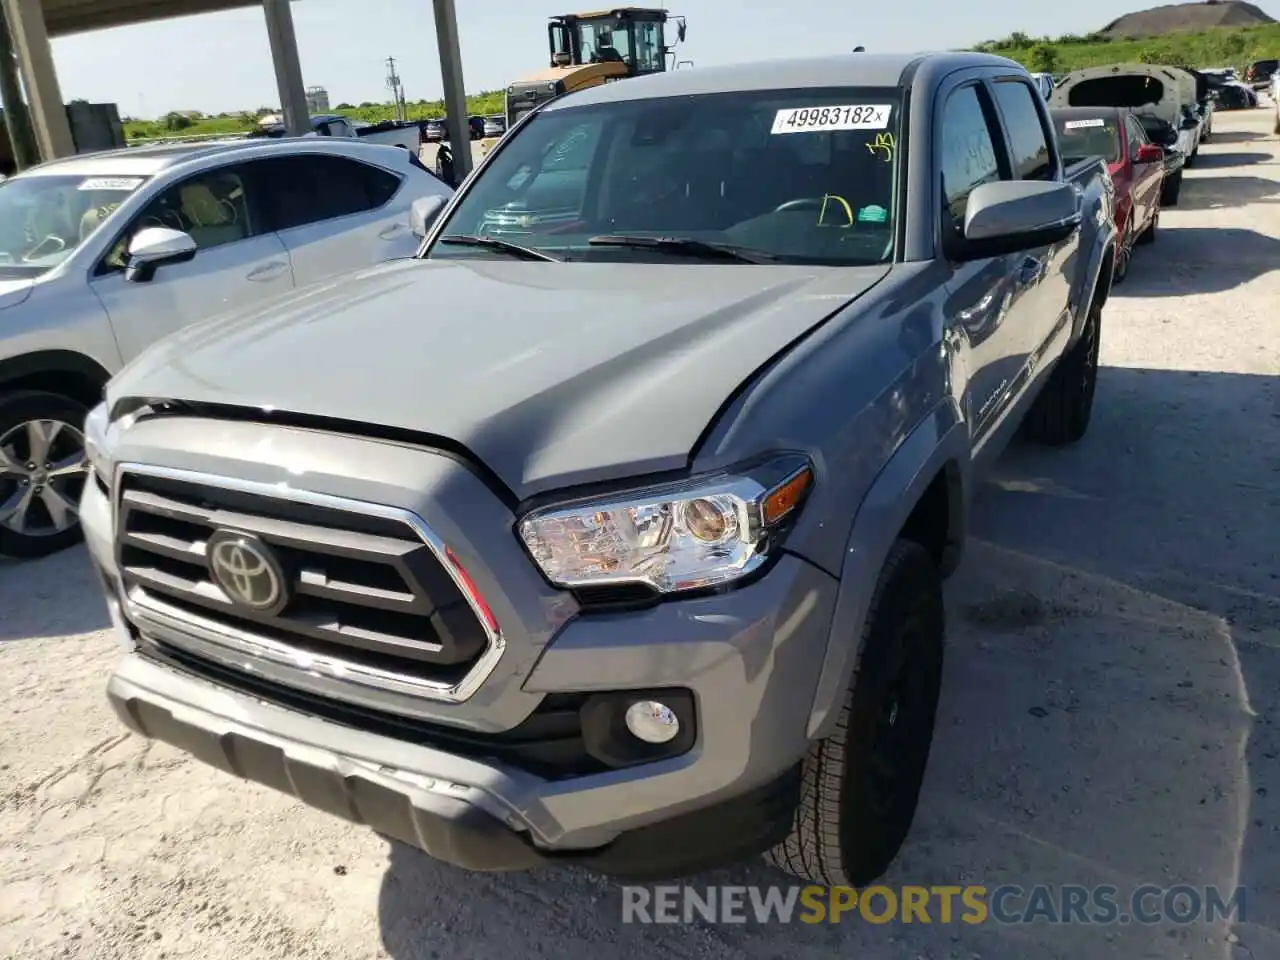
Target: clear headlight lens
(698,533)
(95,442)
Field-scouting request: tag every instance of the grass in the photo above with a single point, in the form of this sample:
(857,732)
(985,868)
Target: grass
(223,124)
(1219,47)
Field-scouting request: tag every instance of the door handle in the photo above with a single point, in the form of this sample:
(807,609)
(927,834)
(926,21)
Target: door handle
(1031,271)
(268,271)
(393,231)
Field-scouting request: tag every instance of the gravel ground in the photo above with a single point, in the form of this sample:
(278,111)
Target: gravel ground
(1108,714)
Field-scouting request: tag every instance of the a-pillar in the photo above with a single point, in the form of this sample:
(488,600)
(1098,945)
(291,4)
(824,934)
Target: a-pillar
(284,56)
(455,94)
(35,61)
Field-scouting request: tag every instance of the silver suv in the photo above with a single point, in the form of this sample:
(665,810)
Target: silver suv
(102,255)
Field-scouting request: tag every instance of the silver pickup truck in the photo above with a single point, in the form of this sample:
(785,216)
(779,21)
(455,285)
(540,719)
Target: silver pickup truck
(612,528)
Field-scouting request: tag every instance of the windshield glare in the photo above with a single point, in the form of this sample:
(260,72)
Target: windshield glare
(45,219)
(804,176)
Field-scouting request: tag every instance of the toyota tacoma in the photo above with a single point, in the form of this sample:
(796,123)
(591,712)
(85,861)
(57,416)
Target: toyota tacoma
(611,528)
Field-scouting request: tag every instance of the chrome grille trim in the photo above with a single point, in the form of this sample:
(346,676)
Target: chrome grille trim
(325,674)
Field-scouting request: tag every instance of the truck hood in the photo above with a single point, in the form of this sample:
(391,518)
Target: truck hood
(551,374)
(14,292)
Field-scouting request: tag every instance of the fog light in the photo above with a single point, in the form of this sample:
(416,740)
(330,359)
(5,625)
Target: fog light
(652,722)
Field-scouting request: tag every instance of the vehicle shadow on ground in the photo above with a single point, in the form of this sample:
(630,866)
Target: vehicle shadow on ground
(1198,260)
(1105,716)
(1237,136)
(54,597)
(1218,161)
(1212,193)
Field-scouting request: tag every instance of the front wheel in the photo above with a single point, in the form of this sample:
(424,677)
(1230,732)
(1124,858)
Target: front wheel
(1170,189)
(1148,235)
(42,473)
(861,785)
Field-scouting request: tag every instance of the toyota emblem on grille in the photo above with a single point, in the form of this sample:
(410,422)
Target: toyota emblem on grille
(247,571)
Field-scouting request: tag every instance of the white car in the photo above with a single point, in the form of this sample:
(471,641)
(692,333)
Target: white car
(102,255)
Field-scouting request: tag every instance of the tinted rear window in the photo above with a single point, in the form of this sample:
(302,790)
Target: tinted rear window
(1081,137)
(1122,90)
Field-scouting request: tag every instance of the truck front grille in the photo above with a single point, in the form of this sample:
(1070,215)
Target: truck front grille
(364,594)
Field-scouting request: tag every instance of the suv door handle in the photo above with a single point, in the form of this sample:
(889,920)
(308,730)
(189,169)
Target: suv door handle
(1031,271)
(393,231)
(268,271)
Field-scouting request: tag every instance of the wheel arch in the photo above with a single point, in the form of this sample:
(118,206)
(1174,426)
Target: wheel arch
(64,372)
(921,494)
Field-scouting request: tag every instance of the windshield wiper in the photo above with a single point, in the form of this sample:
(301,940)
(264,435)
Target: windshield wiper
(687,247)
(493,243)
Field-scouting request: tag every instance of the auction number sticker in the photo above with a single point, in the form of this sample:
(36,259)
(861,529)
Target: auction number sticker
(110,183)
(1081,124)
(863,116)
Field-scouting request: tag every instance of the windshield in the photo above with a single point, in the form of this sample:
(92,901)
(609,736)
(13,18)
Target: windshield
(803,176)
(1083,137)
(45,219)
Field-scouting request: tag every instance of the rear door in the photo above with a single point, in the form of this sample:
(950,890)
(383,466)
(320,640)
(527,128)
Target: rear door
(239,260)
(335,214)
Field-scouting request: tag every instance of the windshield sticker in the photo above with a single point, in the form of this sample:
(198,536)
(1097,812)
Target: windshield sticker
(873,214)
(873,116)
(123,184)
(1081,124)
(882,146)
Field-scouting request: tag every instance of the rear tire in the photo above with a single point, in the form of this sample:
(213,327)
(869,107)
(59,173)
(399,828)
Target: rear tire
(861,785)
(1061,414)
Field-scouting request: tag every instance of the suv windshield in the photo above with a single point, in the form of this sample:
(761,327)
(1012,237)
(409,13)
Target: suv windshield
(45,219)
(791,176)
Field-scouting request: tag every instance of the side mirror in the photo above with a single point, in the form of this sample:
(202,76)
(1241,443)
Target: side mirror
(423,214)
(1149,153)
(153,247)
(1016,215)
(681,28)
(1190,123)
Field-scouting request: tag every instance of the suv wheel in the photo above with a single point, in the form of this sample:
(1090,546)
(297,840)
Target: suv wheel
(42,473)
(1170,189)
(861,784)
(1060,415)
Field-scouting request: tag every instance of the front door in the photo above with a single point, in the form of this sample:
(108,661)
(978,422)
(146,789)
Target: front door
(236,264)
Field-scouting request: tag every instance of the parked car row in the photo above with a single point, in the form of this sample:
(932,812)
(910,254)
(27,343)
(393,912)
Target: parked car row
(102,255)
(436,129)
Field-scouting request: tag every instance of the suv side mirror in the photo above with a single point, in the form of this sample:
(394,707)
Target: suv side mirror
(423,214)
(1149,153)
(153,247)
(1015,215)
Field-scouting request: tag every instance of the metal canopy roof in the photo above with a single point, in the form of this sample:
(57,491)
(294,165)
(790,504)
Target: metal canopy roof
(74,16)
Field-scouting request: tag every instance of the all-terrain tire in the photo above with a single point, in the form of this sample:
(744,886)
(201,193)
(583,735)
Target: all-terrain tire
(861,785)
(17,409)
(1061,414)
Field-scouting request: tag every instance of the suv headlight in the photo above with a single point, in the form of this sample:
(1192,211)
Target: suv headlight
(95,442)
(702,532)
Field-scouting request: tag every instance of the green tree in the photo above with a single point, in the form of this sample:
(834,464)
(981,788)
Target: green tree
(1044,59)
(175,121)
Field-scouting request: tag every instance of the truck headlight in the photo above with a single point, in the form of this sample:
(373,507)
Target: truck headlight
(697,533)
(95,443)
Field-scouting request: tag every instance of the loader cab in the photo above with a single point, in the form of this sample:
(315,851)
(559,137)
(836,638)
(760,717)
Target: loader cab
(634,38)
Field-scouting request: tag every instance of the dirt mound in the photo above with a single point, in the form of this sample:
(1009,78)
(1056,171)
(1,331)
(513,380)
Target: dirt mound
(1187,17)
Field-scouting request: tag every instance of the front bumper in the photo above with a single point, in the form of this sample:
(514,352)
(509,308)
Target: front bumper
(750,658)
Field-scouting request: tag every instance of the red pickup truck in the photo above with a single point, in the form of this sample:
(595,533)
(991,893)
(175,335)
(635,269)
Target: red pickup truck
(1135,163)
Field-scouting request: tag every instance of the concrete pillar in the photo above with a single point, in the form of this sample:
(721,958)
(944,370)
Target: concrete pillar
(22,139)
(284,56)
(35,59)
(455,94)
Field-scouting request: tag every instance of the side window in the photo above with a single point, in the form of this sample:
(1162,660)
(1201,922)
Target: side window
(309,189)
(968,153)
(650,56)
(1028,143)
(212,207)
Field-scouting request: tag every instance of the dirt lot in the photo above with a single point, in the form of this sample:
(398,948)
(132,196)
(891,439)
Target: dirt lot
(1109,713)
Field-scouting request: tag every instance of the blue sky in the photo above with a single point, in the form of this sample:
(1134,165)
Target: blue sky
(221,62)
